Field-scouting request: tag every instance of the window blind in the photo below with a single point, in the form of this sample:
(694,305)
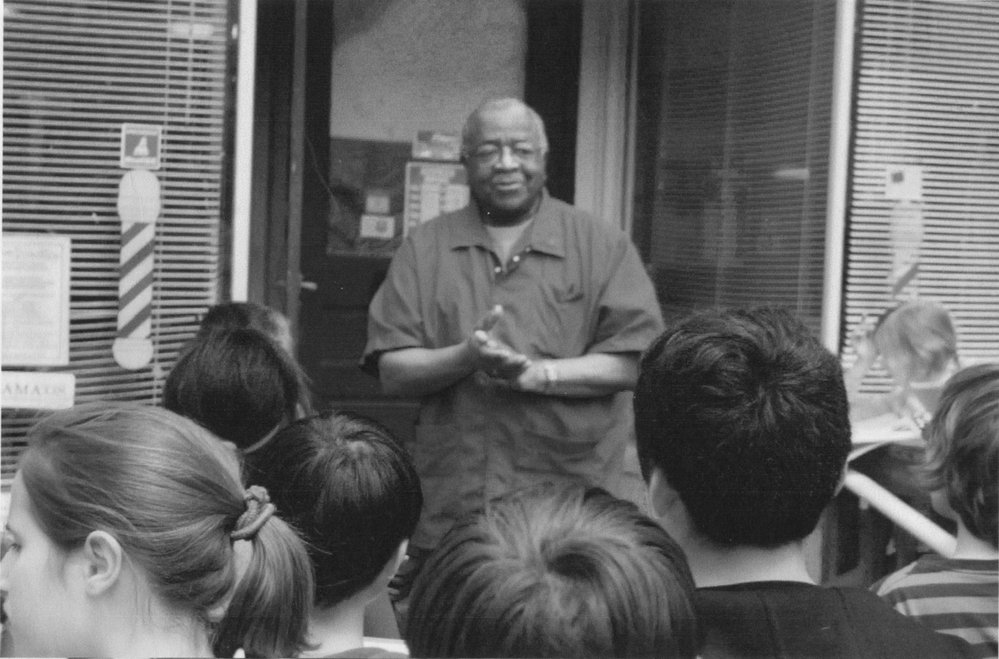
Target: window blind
(733,120)
(924,192)
(74,72)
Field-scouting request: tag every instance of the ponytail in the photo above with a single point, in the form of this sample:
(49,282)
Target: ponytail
(268,615)
(170,493)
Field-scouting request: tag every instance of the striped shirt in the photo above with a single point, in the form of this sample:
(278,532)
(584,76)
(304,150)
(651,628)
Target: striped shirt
(952,596)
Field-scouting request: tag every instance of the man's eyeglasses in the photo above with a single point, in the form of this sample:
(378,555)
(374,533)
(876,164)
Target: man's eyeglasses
(490,154)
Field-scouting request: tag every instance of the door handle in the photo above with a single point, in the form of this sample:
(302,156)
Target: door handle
(308,285)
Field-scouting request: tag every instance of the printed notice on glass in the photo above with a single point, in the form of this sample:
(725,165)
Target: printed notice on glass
(432,188)
(35,300)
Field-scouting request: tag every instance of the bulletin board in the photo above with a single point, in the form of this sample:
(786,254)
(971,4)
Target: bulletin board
(433,188)
(366,183)
(379,192)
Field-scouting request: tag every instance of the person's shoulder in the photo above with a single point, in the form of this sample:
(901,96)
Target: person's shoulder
(586,227)
(775,597)
(596,223)
(464,214)
(895,580)
(432,228)
(932,572)
(877,620)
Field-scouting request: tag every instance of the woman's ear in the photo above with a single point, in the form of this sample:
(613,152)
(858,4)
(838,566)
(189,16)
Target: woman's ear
(103,559)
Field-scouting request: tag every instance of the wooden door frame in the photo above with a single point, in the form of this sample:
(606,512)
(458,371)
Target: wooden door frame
(290,145)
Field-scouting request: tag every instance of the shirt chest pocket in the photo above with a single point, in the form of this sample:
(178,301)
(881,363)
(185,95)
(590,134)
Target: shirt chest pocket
(565,317)
(567,294)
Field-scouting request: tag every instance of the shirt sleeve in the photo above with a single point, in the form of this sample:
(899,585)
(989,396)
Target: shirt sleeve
(628,313)
(394,319)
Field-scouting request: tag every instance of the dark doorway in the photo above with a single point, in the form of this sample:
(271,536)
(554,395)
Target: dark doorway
(297,167)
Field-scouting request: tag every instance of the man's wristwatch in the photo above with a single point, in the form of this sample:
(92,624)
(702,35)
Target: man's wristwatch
(551,376)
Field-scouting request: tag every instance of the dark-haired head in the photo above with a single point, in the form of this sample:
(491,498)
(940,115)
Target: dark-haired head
(170,495)
(548,573)
(963,450)
(745,414)
(238,384)
(248,315)
(350,488)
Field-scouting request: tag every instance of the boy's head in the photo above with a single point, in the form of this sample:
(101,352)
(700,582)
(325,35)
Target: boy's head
(916,341)
(963,450)
(352,491)
(745,415)
(548,573)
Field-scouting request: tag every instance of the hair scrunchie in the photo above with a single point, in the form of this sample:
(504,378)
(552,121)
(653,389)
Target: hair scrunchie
(258,510)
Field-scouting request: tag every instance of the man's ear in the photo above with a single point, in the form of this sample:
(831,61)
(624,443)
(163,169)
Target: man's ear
(662,497)
(103,561)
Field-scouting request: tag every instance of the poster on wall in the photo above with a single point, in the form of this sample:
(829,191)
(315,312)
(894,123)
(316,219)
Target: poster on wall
(36,271)
(365,196)
(433,188)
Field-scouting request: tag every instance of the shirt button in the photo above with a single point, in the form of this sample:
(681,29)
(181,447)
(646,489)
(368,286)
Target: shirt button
(498,270)
(516,259)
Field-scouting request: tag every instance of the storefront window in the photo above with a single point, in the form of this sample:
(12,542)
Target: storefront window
(924,185)
(733,120)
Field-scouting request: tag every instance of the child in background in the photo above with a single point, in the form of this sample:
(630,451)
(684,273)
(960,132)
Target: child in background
(556,573)
(130,534)
(242,315)
(353,492)
(917,345)
(959,595)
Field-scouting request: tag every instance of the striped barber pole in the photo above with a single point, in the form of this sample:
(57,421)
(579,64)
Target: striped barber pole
(138,208)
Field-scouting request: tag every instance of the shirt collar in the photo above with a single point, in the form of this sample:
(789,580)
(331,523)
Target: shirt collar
(545,234)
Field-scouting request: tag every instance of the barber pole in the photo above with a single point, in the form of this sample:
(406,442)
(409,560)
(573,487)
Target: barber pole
(138,208)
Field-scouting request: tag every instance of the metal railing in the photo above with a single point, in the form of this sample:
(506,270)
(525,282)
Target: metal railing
(900,513)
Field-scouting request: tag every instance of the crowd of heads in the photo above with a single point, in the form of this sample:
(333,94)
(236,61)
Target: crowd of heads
(742,412)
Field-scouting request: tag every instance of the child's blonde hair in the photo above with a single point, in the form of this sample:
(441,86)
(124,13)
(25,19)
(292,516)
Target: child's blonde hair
(916,340)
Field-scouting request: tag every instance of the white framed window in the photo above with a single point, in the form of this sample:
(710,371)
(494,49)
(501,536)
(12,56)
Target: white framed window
(74,72)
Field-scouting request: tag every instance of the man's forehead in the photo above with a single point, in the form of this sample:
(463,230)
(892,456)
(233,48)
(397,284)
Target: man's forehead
(505,121)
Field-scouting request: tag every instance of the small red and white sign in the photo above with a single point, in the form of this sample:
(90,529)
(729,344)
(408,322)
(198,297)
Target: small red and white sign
(140,146)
